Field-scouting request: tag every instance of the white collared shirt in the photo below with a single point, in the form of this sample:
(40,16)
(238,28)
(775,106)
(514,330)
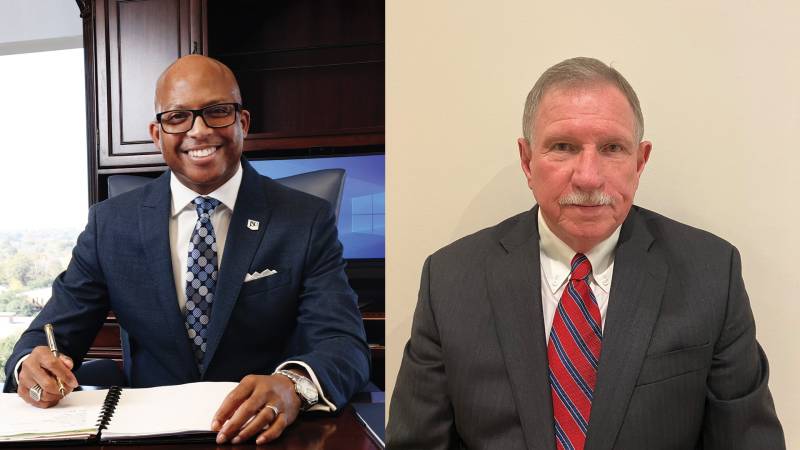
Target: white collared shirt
(184,217)
(555,257)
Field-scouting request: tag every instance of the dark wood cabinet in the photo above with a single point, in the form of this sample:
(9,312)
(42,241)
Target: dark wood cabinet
(135,41)
(311,72)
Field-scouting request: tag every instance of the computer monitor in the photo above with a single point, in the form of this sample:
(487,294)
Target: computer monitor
(362,214)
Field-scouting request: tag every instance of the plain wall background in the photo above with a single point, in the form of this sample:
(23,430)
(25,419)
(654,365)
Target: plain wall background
(719,83)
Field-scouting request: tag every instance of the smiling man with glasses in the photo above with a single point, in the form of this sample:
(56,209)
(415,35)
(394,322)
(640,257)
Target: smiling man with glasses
(202,154)
(215,273)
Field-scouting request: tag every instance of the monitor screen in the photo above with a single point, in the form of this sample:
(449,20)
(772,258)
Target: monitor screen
(362,213)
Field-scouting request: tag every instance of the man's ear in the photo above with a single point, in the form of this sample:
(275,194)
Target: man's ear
(155,134)
(244,119)
(643,156)
(525,157)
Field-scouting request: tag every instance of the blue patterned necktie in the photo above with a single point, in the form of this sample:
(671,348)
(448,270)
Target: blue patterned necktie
(201,276)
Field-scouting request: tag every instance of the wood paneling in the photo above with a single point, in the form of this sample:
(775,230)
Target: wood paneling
(107,343)
(311,72)
(135,41)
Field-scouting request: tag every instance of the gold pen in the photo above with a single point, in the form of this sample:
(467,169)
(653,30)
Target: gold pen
(51,342)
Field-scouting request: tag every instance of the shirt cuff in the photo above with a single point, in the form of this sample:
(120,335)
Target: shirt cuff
(18,366)
(324,404)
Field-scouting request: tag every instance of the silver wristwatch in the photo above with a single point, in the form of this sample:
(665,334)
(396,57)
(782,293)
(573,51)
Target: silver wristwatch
(309,396)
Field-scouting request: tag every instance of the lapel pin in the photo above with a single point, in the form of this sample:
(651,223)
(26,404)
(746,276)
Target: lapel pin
(252,224)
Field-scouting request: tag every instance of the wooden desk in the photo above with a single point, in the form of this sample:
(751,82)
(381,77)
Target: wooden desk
(343,431)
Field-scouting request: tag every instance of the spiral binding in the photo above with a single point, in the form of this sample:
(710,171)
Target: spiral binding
(109,406)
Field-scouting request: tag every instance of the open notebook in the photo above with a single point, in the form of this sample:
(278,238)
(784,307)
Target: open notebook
(116,414)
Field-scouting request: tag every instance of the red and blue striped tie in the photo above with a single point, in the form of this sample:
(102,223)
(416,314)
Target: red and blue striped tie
(573,354)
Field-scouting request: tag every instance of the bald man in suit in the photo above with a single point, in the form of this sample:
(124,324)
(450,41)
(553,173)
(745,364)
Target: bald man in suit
(214,272)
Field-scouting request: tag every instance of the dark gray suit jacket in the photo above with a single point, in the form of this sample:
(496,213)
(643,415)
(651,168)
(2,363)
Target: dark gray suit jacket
(680,367)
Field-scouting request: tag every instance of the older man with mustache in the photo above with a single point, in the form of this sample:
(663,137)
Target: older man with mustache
(586,322)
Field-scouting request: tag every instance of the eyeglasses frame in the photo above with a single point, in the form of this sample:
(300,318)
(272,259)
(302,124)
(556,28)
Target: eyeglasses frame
(237,107)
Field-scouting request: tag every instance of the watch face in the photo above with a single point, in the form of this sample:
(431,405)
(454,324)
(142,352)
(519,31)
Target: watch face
(307,390)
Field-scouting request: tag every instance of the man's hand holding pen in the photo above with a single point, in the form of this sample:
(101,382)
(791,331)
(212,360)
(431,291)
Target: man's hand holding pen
(53,374)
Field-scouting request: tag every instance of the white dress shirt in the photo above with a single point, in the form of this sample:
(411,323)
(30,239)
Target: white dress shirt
(184,218)
(555,257)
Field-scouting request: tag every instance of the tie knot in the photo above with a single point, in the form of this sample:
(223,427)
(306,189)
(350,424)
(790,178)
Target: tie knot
(580,268)
(205,205)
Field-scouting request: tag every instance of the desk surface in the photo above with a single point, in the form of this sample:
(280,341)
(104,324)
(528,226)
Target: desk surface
(343,431)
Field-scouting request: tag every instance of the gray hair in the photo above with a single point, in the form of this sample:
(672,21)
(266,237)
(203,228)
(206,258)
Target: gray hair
(576,72)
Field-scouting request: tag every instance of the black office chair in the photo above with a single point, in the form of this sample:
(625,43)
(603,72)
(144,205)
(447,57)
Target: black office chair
(120,184)
(326,184)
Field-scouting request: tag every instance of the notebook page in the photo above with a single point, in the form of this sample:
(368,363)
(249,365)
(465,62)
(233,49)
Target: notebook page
(167,410)
(75,415)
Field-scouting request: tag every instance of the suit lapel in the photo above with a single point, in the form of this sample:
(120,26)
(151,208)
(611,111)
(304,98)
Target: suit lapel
(514,282)
(241,244)
(634,302)
(154,232)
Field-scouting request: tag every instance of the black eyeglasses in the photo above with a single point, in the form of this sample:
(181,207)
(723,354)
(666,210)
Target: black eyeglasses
(179,121)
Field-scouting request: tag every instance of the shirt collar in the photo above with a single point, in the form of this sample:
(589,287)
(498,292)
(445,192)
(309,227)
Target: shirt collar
(558,256)
(182,196)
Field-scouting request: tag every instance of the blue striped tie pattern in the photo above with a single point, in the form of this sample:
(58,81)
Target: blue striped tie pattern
(201,276)
(573,354)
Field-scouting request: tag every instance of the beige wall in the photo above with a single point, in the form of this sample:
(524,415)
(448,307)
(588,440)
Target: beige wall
(720,87)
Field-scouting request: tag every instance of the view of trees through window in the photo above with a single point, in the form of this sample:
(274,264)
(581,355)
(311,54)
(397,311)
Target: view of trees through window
(29,261)
(45,180)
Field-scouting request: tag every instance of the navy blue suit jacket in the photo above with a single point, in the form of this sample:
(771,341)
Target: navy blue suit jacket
(306,311)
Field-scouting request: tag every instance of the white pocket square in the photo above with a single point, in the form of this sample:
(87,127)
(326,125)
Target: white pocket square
(257,275)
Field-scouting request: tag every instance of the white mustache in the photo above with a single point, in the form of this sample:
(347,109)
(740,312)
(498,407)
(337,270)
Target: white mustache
(594,198)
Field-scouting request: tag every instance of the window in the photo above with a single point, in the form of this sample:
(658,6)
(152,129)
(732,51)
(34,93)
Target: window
(44,184)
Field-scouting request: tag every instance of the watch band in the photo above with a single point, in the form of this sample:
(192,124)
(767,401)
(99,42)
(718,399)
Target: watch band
(301,384)
(291,375)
